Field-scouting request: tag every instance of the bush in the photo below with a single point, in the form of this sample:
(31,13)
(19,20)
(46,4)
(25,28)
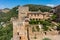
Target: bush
(58,28)
(33,22)
(45,23)
(45,28)
(37,27)
(46,39)
(33,30)
(53,17)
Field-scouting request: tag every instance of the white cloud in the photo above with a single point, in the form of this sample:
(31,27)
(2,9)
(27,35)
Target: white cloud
(51,5)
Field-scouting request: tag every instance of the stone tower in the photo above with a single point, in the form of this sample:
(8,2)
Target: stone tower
(19,30)
(22,12)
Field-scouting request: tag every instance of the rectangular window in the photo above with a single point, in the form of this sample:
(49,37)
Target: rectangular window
(17,33)
(20,38)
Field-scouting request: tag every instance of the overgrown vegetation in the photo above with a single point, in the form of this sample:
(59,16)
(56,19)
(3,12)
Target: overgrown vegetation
(33,30)
(38,29)
(6,33)
(53,17)
(58,27)
(46,24)
(4,17)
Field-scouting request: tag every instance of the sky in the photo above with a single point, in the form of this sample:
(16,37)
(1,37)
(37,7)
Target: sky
(13,3)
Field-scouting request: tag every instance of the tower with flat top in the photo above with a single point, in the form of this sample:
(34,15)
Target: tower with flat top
(19,30)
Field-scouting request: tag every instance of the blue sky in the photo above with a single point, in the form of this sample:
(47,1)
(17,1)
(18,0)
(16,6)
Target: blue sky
(13,3)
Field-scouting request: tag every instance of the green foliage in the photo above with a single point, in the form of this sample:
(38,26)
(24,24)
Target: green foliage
(34,22)
(37,27)
(46,39)
(46,24)
(43,22)
(13,12)
(45,28)
(58,27)
(53,17)
(4,17)
(35,37)
(33,30)
(33,7)
(6,33)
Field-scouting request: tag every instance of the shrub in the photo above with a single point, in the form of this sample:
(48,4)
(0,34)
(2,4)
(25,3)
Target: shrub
(33,30)
(37,27)
(53,17)
(46,39)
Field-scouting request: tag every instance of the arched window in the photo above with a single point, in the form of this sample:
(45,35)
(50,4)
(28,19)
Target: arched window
(36,19)
(34,14)
(39,19)
(30,19)
(33,19)
(37,14)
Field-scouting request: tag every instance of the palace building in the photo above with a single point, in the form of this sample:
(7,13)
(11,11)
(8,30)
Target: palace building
(24,16)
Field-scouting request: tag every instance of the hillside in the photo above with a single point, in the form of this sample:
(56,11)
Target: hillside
(6,27)
(57,12)
(33,7)
(5,10)
(14,13)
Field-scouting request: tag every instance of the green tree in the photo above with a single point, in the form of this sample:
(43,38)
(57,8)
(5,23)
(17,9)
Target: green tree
(6,33)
